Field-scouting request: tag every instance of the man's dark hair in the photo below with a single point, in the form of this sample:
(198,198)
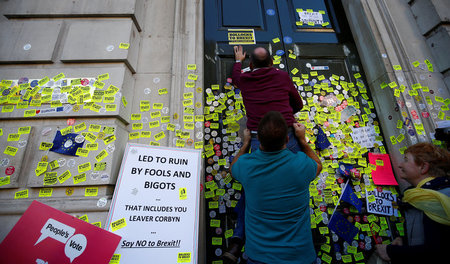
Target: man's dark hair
(260,61)
(272,131)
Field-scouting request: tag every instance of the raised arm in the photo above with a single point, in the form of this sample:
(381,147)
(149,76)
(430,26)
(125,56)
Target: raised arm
(300,133)
(239,56)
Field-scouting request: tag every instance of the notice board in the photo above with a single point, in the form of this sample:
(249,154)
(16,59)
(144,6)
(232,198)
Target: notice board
(155,207)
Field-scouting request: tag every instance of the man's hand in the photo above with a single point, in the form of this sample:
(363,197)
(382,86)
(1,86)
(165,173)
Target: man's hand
(398,241)
(300,131)
(239,55)
(247,136)
(382,252)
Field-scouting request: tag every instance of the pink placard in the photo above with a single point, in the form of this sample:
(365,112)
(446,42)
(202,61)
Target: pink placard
(383,175)
(46,235)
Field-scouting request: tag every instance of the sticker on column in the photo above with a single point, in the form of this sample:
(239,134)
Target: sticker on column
(241,37)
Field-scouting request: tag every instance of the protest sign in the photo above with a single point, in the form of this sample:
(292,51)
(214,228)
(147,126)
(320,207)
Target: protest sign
(380,201)
(46,235)
(155,205)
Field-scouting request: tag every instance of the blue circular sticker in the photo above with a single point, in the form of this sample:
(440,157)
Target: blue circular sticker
(280,52)
(270,12)
(34,83)
(287,40)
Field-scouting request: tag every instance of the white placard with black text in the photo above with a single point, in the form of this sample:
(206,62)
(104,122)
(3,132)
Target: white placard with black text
(155,207)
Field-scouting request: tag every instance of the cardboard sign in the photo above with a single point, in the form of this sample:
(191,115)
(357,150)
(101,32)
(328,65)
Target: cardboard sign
(155,205)
(379,201)
(46,235)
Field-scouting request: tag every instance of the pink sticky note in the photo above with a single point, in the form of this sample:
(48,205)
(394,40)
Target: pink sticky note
(383,175)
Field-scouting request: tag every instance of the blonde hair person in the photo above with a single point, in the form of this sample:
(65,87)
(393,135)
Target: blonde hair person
(426,207)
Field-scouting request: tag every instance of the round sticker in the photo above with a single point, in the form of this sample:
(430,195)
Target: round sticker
(287,40)
(102,202)
(27,46)
(10,170)
(270,12)
(110,48)
(78,139)
(69,191)
(280,52)
(84,82)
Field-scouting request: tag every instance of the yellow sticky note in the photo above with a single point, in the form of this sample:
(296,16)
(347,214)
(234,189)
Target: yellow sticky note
(79,178)
(64,176)
(116,225)
(184,257)
(160,136)
(82,152)
(183,194)
(124,45)
(24,130)
(79,127)
(84,167)
(103,154)
(5,180)
(13,137)
(91,191)
(10,151)
(29,113)
(191,67)
(45,192)
(21,194)
(275,40)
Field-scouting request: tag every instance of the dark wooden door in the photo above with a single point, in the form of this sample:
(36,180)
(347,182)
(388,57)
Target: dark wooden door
(311,40)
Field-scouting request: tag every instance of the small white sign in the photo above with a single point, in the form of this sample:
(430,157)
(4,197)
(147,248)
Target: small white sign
(314,17)
(365,136)
(155,207)
(380,202)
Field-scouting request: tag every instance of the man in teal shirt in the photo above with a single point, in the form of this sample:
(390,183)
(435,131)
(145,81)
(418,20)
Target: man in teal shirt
(276,183)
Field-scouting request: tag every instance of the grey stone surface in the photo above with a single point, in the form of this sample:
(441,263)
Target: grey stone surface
(439,42)
(426,15)
(28,41)
(98,41)
(65,8)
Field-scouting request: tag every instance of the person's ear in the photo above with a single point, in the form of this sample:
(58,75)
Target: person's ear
(287,139)
(271,62)
(425,168)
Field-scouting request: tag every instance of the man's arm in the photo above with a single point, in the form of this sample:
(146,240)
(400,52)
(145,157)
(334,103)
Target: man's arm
(239,55)
(300,133)
(245,148)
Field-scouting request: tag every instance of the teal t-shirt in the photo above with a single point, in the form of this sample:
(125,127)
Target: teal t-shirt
(277,218)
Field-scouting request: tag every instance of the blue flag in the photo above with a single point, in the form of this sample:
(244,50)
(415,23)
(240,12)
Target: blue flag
(350,197)
(66,144)
(342,227)
(345,169)
(322,140)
